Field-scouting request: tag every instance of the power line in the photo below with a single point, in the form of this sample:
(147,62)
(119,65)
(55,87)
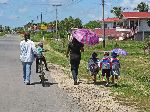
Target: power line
(49,12)
(74,2)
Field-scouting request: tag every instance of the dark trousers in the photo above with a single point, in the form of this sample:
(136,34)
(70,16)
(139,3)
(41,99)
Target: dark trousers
(74,70)
(37,62)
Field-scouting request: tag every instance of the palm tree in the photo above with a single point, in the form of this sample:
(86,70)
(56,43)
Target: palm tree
(117,11)
(142,7)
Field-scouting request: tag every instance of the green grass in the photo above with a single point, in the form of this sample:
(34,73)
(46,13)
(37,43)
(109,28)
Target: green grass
(2,34)
(134,85)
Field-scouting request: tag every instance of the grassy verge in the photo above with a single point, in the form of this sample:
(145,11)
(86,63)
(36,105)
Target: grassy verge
(134,85)
(2,34)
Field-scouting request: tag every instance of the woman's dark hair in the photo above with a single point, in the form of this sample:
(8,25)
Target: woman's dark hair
(106,53)
(27,35)
(114,55)
(94,54)
(40,44)
(75,41)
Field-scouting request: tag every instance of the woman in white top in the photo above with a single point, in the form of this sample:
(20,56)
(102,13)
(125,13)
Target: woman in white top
(27,56)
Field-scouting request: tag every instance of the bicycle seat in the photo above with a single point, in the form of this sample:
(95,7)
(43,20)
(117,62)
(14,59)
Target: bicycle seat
(39,56)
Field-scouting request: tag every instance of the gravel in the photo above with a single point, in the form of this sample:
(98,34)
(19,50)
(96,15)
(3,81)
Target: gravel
(88,97)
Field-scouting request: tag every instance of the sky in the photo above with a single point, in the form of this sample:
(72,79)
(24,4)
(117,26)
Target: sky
(15,13)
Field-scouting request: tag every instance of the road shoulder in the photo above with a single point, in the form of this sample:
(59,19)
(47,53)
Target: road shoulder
(89,97)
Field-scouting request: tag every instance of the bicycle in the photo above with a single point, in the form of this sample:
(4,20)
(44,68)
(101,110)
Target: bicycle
(41,71)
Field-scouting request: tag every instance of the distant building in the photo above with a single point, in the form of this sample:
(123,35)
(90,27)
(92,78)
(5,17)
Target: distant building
(109,33)
(110,28)
(138,22)
(135,25)
(110,23)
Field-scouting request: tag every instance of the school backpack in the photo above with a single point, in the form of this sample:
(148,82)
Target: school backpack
(115,63)
(106,63)
(93,66)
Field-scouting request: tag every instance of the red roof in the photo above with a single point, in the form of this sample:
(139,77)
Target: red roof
(108,32)
(111,20)
(134,15)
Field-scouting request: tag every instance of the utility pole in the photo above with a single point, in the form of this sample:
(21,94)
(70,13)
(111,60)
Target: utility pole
(42,32)
(103,4)
(56,5)
(41,18)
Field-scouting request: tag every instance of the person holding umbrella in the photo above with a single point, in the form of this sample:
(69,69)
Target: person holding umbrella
(74,50)
(75,47)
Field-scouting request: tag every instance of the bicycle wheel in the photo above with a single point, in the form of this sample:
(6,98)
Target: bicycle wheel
(43,79)
(40,66)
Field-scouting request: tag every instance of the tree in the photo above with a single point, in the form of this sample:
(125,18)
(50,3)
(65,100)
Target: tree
(93,24)
(142,7)
(65,26)
(68,23)
(1,28)
(77,23)
(117,11)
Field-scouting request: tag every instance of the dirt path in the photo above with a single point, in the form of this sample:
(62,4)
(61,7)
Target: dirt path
(89,97)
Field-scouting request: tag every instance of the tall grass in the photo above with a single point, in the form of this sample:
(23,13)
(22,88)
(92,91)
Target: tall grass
(2,33)
(134,84)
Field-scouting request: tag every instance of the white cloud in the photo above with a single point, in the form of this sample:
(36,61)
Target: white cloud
(59,1)
(22,10)
(13,17)
(1,13)
(93,16)
(3,1)
(89,14)
(131,4)
(43,0)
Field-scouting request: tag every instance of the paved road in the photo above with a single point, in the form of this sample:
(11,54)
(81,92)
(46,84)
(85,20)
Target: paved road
(15,96)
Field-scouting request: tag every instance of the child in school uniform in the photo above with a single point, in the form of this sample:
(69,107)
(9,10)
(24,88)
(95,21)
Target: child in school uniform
(115,71)
(106,66)
(93,66)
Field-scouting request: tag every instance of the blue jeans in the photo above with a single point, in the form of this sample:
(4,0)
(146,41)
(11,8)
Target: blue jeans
(74,70)
(26,71)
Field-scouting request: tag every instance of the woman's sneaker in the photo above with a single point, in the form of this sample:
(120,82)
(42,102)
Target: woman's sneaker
(27,82)
(107,84)
(75,83)
(47,69)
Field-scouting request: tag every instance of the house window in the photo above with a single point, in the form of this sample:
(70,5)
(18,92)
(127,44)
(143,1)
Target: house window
(114,26)
(136,23)
(148,22)
(131,24)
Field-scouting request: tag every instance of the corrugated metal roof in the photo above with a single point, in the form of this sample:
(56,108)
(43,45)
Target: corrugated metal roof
(111,20)
(136,15)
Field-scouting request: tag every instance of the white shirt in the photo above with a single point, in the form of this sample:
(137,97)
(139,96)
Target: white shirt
(27,51)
